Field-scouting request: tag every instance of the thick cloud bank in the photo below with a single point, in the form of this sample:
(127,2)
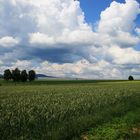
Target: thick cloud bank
(53,37)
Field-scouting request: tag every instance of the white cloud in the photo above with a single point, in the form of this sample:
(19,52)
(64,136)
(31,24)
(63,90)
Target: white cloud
(63,25)
(119,17)
(8,41)
(24,64)
(124,55)
(40,38)
(125,39)
(117,28)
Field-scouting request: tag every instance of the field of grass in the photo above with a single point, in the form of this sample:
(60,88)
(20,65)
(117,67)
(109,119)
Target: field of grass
(63,110)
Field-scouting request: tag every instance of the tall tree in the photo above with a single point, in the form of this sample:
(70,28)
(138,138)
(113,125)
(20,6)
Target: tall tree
(7,75)
(23,76)
(32,75)
(16,75)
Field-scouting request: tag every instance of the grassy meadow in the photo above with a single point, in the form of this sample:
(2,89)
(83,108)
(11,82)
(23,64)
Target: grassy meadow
(70,110)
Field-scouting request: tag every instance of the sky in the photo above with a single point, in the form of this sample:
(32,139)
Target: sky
(93,39)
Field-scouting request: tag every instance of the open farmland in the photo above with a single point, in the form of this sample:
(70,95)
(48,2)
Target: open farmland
(59,110)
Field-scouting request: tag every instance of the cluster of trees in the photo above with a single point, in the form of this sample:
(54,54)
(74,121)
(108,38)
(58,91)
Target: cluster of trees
(17,75)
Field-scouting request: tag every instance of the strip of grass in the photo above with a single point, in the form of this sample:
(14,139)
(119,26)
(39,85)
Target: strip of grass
(122,128)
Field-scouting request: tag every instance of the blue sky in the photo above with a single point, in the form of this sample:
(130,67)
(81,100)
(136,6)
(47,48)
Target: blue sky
(56,38)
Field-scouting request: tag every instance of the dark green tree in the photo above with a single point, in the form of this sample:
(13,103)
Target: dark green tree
(16,75)
(7,75)
(23,76)
(31,75)
(130,78)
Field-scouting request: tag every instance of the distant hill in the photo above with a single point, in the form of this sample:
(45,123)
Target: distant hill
(43,76)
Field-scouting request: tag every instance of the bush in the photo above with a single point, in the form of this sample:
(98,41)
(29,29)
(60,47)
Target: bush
(130,78)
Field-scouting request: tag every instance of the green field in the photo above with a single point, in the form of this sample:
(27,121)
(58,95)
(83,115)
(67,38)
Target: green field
(71,109)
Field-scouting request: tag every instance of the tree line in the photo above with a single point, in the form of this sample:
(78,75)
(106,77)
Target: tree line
(17,75)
